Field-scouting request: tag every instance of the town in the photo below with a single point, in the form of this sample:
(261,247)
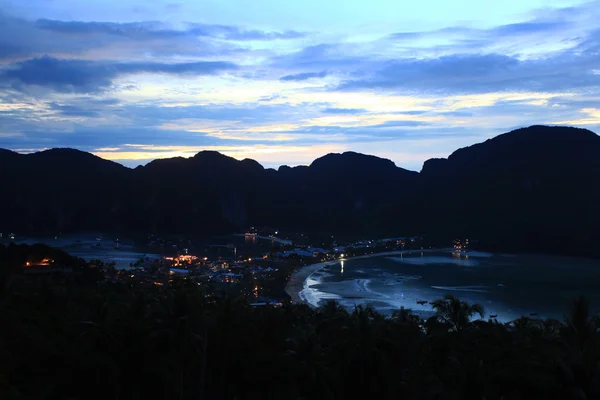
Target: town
(255,264)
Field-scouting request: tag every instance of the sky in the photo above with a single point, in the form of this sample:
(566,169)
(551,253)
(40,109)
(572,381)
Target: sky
(286,82)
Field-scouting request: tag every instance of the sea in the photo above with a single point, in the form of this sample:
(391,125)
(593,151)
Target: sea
(95,246)
(102,246)
(507,286)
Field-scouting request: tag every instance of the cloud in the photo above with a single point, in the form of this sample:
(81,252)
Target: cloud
(321,56)
(79,76)
(481,73)
(21,38)
(132,30)
(74,111)
(462,32)
(157,30)
(545,31)
(530,27)
(334,110)
(592,117)
(402,124)
(236,33)
(303,76)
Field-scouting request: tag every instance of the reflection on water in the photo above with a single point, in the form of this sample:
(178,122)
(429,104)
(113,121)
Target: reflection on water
(95,247)
(507,286)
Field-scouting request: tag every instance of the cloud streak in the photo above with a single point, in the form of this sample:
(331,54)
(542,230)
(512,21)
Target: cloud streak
(156,30)
(79,76)
(304,76)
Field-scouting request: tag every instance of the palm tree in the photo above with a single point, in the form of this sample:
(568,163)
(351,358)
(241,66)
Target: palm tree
(332,310)
(405,316)
(581,324)
(450,309)
(580,367)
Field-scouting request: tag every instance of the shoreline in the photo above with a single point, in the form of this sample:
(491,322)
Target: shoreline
(295,283)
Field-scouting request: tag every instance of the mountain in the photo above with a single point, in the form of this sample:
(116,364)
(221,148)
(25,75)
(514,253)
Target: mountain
(532,189)
(60,190)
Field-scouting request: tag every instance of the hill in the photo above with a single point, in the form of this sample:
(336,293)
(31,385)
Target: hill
(532,189)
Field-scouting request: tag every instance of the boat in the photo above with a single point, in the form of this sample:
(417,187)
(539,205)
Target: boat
(421,302)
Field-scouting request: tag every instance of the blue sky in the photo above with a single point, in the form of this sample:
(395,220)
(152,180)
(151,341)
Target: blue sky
(286,82)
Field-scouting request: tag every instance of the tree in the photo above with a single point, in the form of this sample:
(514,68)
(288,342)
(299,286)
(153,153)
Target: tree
(452,310)
(580,323)
(405,316)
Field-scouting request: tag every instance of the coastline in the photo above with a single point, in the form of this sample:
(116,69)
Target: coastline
(295,283)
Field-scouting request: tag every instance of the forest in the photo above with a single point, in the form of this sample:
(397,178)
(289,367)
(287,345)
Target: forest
(65,340)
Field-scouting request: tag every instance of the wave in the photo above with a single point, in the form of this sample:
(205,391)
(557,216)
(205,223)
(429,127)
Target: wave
(431,260)
(322,274)
(315,296)
(362,285)
(392,282)
(477,289)
(481,254)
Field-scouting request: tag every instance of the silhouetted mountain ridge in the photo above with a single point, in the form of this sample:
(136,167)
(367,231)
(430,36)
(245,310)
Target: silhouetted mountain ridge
(532,189)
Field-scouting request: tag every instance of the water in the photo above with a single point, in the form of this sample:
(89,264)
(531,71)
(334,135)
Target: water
(88,247)
(508,286)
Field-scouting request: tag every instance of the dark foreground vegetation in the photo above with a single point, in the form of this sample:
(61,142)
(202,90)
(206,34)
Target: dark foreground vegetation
(61,340)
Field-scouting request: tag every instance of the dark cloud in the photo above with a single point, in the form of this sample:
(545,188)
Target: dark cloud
(449,72)
(333,110)
(135,30)
(156,30)
(81,76)
(271,98)
(529,27)
(488,35)
(61,75)
(455,113)
(400,124)
(412,112)
(85,107)
(321,56)
(191,68)
(480,73)
(74,111)
(435,33)
(21,38)
(235,33)
(90,138)
(304,76)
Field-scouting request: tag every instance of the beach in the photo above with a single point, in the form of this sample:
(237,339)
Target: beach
(507,286)
(296,282)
